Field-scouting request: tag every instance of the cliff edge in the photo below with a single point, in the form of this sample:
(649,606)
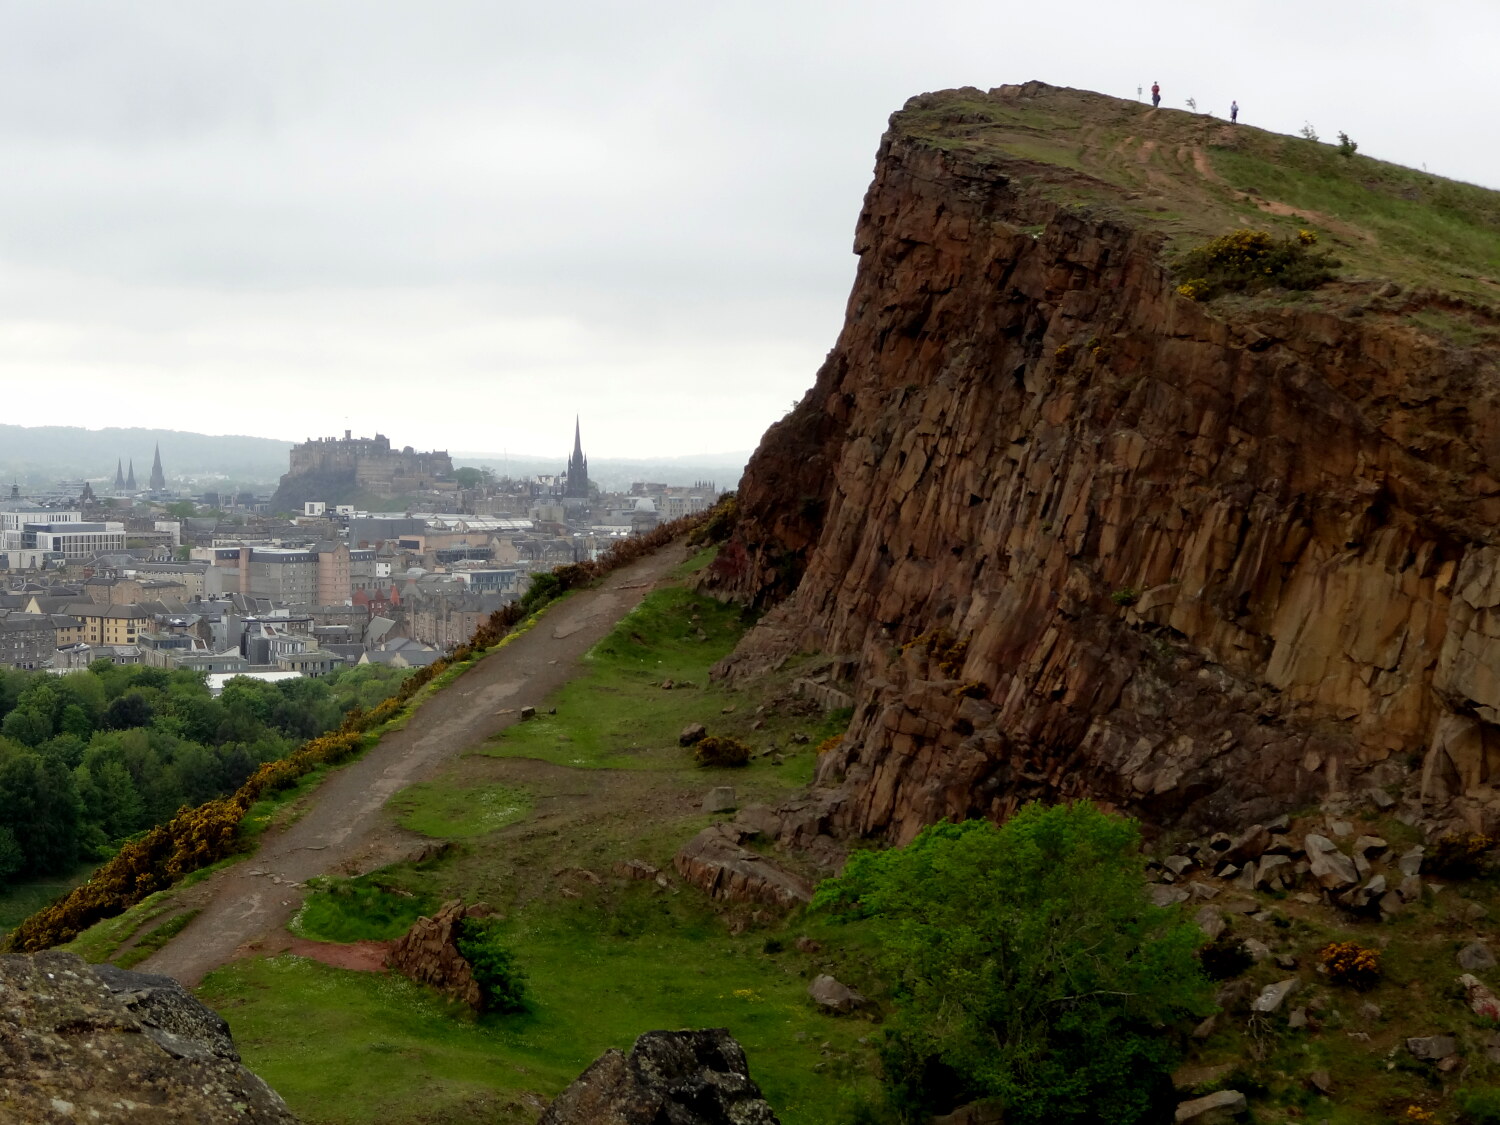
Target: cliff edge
(1078,534)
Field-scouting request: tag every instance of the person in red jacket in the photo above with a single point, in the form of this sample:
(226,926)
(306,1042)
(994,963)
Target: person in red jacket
(1155,95)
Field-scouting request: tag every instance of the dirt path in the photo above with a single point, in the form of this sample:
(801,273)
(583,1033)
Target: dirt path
(342,830)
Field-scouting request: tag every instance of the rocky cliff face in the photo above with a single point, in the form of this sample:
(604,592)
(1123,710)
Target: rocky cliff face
(1081,535)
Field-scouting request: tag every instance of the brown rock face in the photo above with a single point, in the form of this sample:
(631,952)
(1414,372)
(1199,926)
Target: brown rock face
(428,953)
(1084,536)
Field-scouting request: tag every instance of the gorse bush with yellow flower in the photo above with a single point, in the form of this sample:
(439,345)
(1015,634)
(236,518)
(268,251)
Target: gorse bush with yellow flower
(1350,964)
(1247,261)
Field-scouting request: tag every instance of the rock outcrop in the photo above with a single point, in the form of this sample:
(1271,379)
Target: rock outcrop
(676,1077)
(717,862)
(428,953)
(80,1042)
(1082,535)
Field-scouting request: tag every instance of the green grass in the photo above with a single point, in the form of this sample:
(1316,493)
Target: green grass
(600,974)
(371,908)
(437,809)
(155,940)
(617,712)
(695,563)
(1424,228)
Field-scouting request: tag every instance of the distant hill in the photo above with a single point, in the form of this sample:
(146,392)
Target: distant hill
(41,455)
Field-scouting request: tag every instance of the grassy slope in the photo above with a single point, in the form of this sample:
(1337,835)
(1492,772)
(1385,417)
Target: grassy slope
(621,959)
(1193,177)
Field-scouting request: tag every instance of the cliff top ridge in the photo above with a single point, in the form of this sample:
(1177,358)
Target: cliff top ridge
(1193,176)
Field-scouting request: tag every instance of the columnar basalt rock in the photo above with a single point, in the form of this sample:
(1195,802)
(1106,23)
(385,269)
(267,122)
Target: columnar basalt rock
(1201,563)
(428,953)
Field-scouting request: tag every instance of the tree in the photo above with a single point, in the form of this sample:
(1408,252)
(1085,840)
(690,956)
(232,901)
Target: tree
(39,804)
(1028,966)
(182,509)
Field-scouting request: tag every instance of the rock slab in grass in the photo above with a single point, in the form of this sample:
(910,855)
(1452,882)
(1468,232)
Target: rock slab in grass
(715,862)
(721,798)
(1274,995)
(1215,1109)
(681,1077)
(691,734)
(1476,957)
(1432,1048)
(828,994)
(1481,1000)
(96,1043)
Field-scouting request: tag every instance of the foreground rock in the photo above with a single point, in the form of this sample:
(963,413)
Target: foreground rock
(428,953)
(86,1043)
(669,1078)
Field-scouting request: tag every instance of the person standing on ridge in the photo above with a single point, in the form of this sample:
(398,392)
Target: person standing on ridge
(1234,112)
(1155,94)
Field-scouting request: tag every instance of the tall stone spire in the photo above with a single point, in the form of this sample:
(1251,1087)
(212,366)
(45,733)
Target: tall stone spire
(119,475)
(130,477)
(158,479)
(578,466)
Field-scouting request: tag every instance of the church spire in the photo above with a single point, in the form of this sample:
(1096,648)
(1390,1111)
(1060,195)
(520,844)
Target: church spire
(158,478)
(130,477)
(119,475)
(578,466)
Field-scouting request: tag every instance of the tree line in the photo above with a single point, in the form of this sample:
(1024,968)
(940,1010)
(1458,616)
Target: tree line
(93,757)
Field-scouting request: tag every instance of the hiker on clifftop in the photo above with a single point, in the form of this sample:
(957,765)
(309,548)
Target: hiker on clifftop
(1155,95)
(1234,112)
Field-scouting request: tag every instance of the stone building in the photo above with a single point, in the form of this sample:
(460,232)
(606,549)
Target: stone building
(328,469)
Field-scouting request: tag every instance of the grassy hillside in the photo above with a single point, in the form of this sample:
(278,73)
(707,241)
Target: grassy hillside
(1193,177)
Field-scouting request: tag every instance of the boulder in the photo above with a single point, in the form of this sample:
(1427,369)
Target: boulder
(635,869)
(1482,1002)
(1215,1109)
(1432,1048)
(1210,921)
(831,996)
(1333,870)
(81,1042)
(1273,995)
(721,798)
(1161,894)
(1476,957)
(1410,862)
(1367,844)
(676,1077)
(1271,872)
(691,734)
(1249,844)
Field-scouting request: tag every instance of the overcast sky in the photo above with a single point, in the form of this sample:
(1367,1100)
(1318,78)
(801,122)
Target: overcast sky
(462,223)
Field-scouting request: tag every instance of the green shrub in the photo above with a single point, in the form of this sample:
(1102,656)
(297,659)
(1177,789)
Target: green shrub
(1351,964)
(1479,1106)
(500,979)
(1028,966)
(720,750)
(1346,147)
(1247,261)
(1224,957)
(1460,854)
